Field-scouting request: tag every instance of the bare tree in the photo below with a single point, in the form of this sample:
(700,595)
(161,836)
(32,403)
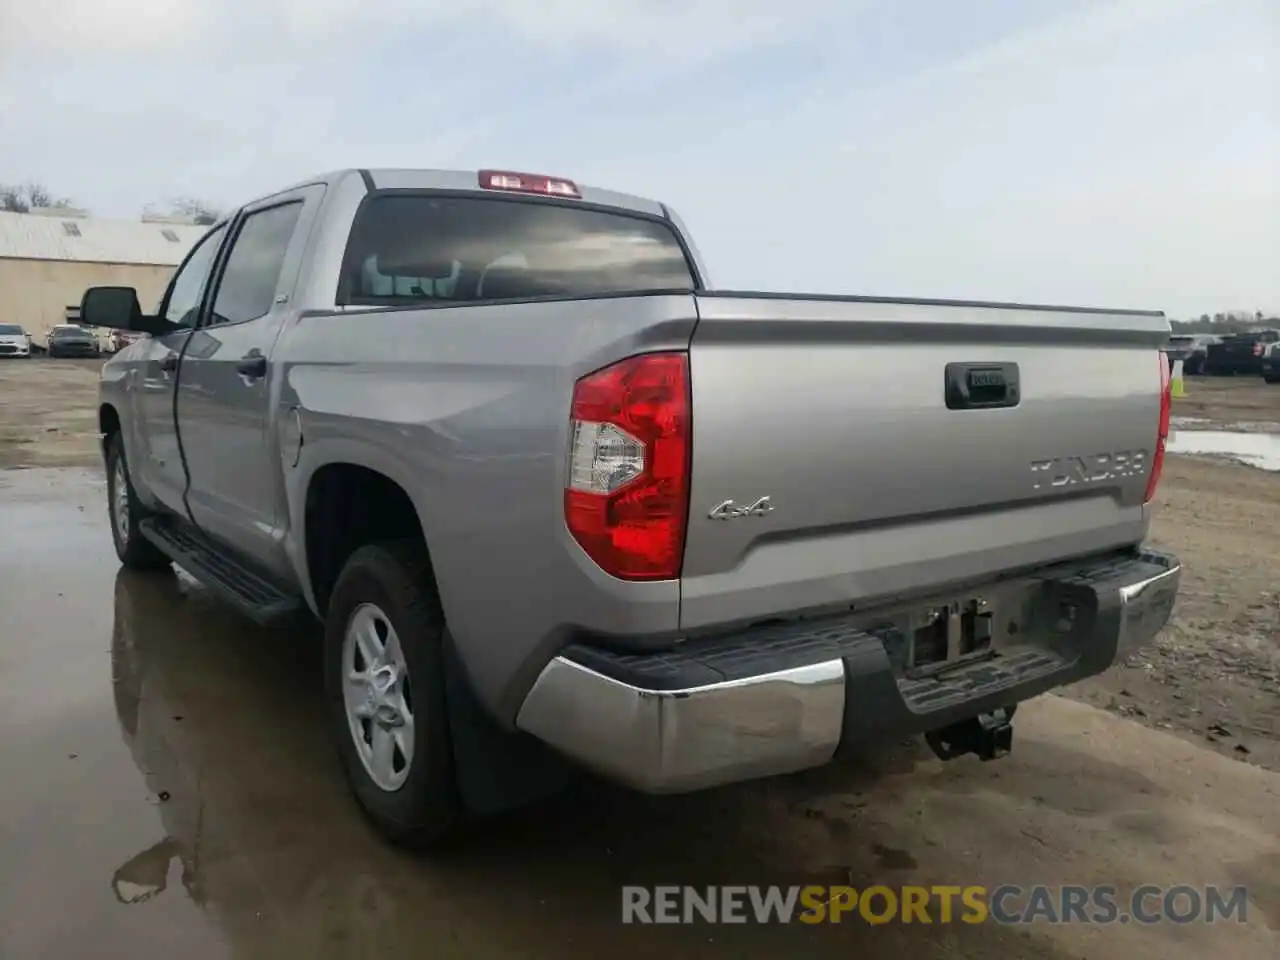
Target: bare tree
(20,198)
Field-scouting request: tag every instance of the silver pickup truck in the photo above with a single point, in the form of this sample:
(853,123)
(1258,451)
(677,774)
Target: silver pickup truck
(554,498)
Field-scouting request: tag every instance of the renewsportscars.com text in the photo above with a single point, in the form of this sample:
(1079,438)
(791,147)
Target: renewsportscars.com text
(1007,904)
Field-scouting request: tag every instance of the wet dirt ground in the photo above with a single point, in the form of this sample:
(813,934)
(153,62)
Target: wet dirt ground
(1213,675)
(1242,403)
(167,788)
(48,412)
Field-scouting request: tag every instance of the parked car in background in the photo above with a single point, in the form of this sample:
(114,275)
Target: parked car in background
(1191,349)
(14,341)
(1239,352)
(1271,363)
(68,340)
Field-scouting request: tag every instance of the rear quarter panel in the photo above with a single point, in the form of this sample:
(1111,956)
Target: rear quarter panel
(466,408)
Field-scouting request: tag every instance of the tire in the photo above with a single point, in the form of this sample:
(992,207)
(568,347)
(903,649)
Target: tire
(392,582)
(135,551)
(1269,379)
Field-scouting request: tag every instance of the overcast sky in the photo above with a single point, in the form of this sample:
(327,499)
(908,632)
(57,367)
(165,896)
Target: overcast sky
(1110,152)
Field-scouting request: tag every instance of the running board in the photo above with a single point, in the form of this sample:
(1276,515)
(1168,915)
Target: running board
(220,571)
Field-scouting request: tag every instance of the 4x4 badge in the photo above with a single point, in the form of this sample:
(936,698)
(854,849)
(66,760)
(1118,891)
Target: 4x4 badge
(728,510)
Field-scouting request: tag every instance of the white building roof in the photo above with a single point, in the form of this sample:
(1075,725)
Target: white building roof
(25,236)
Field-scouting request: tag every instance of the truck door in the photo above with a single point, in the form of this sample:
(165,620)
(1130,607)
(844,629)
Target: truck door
(155,459)
(224,403)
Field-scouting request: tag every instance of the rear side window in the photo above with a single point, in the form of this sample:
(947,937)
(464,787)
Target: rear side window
(434,249)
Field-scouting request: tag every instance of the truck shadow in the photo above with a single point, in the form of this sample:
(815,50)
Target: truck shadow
(225,723)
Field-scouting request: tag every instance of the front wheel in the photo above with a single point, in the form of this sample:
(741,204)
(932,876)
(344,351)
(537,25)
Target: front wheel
(384,685)
(125,512)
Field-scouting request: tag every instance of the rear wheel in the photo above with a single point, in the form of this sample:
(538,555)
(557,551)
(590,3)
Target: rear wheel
(384,680)
(125,512)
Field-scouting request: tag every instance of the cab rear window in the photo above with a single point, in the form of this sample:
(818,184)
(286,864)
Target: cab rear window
(411,249)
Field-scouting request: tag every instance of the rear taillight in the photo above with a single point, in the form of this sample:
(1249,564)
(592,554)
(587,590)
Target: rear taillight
(1162,435)
(626,498)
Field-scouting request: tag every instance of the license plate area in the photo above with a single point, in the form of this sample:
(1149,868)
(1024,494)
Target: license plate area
(944,635)
(939,634)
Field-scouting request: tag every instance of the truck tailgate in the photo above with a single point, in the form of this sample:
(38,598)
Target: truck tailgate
(903,446)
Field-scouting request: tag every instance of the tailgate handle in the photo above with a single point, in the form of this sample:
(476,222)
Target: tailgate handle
(982,386)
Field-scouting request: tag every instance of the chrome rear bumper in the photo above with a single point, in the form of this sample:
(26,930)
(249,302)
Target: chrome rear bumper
(670,741)
(664,738)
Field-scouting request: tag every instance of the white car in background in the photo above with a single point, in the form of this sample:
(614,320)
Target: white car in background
(14,341)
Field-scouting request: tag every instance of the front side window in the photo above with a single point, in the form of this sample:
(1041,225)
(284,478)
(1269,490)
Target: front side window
(248,285)
(188,285)
(408,248)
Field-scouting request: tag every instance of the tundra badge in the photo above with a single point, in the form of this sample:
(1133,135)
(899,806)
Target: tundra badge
(1069,471)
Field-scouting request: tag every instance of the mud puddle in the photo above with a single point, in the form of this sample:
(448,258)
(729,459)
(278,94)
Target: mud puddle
(1260,450)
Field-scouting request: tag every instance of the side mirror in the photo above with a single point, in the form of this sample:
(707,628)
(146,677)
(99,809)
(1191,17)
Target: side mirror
(118,308)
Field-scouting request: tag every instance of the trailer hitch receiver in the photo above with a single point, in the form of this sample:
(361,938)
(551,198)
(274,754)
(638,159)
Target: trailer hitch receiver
(989,735)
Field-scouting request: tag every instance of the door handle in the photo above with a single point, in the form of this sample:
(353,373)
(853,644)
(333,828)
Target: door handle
(254,365)
(169,362)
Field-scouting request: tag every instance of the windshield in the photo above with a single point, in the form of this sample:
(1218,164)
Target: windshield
(73,333)
(1180,341)
(414,248)
(10,330)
